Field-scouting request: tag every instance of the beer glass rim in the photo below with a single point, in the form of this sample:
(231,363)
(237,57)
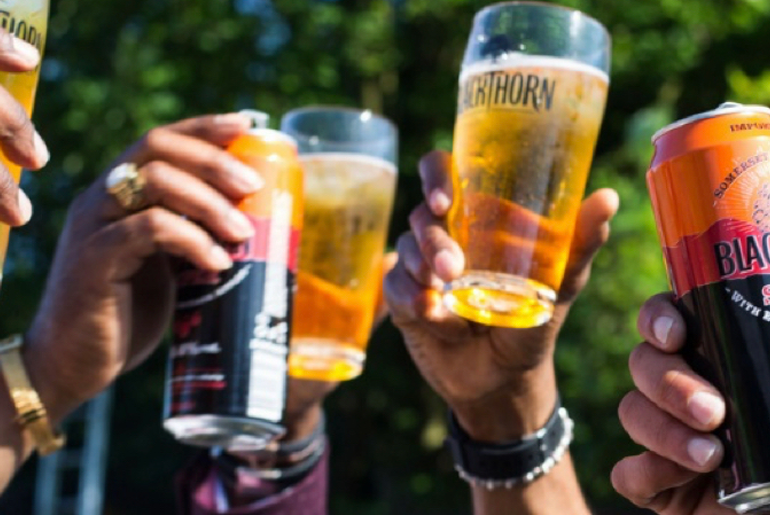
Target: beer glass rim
(555,7)
(393,130)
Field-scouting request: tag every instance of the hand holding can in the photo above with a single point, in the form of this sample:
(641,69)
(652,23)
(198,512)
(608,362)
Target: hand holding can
(228,364)
(532,92)
(708,183)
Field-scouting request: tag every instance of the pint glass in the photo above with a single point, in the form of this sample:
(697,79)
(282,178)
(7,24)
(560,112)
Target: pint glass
(349,161)
(532,91)
(27,20)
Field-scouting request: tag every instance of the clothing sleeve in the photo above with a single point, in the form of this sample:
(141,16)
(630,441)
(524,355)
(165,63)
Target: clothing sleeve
(200,491)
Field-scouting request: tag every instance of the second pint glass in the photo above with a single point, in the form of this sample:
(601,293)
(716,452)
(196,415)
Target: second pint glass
(27,20)
(349,159)
(532,91)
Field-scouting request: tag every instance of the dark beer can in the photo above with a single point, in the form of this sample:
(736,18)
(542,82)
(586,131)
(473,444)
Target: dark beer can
(228,364)
(709,182)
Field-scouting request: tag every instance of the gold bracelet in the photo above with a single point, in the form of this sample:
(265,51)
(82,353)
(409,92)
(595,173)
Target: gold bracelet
(31,412)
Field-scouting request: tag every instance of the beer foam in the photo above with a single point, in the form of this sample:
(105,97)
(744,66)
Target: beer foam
(513,61)
(342,179)
(345,159)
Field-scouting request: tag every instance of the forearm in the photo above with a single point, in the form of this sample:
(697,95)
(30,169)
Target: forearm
(510,416)
(556,493)
(16,442)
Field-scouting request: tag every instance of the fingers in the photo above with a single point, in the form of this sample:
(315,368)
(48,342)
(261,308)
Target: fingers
(16,55)
(217,130)
(646,479)
(19,141)
(591,232)
(174,189)
(408,300)
(15,206)
(414,263)
(669,383)
(661,324)
(129,242)
(200,155)
(381,308)
(434,169)
(442,254)
(666,436)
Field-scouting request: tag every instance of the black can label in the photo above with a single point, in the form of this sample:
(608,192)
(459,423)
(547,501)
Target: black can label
(231,331)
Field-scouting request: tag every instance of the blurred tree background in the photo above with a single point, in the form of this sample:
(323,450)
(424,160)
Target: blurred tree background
(114,69)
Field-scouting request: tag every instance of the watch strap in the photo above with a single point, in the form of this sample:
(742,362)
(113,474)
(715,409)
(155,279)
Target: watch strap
(510,463)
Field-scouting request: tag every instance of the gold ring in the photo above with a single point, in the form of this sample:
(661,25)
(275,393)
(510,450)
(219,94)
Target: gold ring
(126,185)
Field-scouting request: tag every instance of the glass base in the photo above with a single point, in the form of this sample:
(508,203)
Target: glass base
(501,300)
(754,499)
(321,359)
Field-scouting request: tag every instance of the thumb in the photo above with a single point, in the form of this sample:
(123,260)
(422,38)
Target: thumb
(592,230)
(389,260)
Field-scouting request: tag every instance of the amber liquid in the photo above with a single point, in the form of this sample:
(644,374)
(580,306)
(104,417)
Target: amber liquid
(28,20)
(523,144)
(348,201)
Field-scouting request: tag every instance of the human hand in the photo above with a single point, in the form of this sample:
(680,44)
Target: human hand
(305,397)
(499,382)
(19,142)
(671,413)
(110,291)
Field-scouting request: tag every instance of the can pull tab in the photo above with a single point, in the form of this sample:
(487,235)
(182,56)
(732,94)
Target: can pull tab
(729,105)
(259,120)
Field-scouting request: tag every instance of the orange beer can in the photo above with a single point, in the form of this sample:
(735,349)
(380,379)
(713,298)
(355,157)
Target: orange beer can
(227,377)
(709,183)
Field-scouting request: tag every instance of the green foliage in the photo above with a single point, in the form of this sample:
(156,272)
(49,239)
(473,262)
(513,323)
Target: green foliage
(115,69)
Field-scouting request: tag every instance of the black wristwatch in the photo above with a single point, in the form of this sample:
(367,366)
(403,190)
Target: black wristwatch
(506,464)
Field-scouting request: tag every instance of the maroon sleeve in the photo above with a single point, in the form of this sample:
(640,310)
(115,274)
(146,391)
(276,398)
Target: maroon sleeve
(198,484)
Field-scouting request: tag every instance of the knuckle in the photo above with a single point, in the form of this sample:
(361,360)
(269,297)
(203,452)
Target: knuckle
(619,479)
(8,186)
(662,434)
(155,138)
(627,407)
(150,222)
(636,360)
(430,161)
(16,123)
(432,240)
(417,218)
(668,389)
(153,171)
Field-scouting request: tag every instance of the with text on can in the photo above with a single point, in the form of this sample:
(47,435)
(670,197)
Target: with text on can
(709,183)
(228,364)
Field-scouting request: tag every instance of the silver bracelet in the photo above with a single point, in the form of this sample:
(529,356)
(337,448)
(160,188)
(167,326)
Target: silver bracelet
(467,451)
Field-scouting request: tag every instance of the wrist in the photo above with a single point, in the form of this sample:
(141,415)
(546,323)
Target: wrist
(302,425)
(493,465)
(45,375)
(509,414)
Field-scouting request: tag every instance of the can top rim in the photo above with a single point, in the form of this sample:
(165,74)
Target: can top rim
(273,135)
(723,109)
